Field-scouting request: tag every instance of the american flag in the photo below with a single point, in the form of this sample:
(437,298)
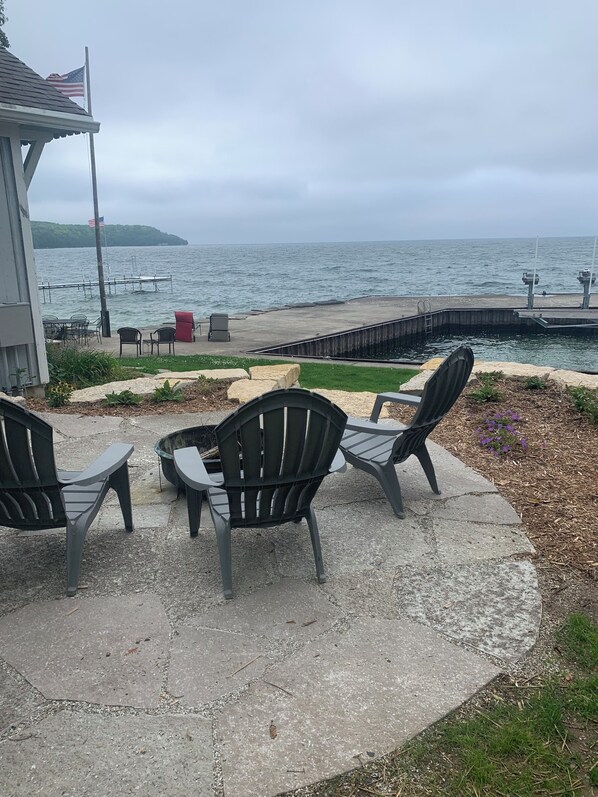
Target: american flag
(71,84)
(92,222)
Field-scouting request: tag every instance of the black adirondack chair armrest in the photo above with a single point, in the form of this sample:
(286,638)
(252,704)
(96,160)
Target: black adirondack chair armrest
(339,463)
(113,458)
(397,398)
(360,425)
(190,467)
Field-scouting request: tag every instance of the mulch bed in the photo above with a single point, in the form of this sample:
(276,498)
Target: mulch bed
(553,485)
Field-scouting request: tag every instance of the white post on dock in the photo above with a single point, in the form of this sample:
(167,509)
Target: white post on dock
(104,314)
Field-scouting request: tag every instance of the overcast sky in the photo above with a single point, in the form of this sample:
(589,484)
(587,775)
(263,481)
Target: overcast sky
(325,120)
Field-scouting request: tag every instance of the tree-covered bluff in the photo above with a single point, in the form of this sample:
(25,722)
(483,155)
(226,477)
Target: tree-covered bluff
(48,235)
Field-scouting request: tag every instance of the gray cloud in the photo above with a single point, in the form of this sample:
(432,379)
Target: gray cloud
(320,121)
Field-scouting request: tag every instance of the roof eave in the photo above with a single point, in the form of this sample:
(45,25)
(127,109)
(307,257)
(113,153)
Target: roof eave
(49,120)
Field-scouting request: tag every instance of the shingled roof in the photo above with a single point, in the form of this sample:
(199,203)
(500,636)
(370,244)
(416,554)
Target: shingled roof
(20,85)
(35,105)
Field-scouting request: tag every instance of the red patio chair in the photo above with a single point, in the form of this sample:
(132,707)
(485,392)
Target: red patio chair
(185,326)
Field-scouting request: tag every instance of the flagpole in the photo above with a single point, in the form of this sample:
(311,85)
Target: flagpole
(104,314)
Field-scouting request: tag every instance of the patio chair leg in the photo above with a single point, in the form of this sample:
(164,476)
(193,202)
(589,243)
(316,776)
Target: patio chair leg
(387,476)
(194,498)
(426,463)
(119,481)
(223,539)
(310,516)
(75,538)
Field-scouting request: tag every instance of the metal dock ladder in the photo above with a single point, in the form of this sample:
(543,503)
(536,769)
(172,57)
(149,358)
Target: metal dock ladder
(424,307)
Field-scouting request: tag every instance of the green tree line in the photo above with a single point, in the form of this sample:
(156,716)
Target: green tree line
(48,235)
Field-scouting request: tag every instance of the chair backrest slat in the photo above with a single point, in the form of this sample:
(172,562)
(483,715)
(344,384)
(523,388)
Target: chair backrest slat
(275,450)
(441,391)
(30,494)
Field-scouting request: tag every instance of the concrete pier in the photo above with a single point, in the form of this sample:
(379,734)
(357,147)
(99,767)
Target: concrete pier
(264,328)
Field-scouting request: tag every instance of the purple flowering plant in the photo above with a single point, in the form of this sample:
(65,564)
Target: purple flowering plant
(499,434)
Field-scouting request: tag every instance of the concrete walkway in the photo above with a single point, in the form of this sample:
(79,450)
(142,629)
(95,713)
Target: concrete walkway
(148,682)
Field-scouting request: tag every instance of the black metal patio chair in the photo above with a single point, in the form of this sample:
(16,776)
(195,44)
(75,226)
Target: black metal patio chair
(34,494)
(274,451)
(163,335)
(376,448)
(130,336)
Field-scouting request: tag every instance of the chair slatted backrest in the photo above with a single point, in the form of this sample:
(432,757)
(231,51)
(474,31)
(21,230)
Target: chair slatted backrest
(30,493)
(441,391)
(275,450)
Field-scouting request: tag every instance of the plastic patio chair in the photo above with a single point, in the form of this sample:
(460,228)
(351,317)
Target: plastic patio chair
(219,327)
(34,494)
(376,448)
(274,451)
(130,335)
(163,335)
(185,326)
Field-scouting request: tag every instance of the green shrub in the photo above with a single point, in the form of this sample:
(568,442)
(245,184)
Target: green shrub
(586,401)
(486,393)
(168,392)
(126,397)
(535,383)
(80,367)
(490,377)
(58,394)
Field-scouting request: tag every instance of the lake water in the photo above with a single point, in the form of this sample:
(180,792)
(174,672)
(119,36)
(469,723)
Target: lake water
(235,279)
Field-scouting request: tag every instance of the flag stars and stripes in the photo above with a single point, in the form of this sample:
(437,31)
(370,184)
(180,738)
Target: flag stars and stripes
(72,84)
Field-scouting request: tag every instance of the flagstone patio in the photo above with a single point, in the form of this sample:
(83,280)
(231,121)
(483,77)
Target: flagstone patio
(148,681)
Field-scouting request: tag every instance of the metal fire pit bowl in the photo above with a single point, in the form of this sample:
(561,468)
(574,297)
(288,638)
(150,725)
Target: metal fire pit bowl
(202,437)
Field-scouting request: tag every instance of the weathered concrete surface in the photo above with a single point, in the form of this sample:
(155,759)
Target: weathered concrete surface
(229,663)
(492,606)
(19,702)
(91,755)
(99,650)
(340,694)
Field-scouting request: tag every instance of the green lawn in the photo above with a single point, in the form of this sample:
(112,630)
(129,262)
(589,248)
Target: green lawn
(333,376)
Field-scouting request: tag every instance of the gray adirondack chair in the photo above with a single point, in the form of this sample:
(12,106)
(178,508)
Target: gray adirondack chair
(34,494)
(376,448)
(219,327)
(275,451)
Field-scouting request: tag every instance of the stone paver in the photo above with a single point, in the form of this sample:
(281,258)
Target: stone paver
(486,508)
(18,702)
(207,664)
(99,650)
(287,609)
(400,633)
(575,379)
(492,606)
(346,696)
(92,755)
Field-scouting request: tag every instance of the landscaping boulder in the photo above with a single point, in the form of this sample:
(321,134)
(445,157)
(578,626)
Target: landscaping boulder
(284,375)
(246,389)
